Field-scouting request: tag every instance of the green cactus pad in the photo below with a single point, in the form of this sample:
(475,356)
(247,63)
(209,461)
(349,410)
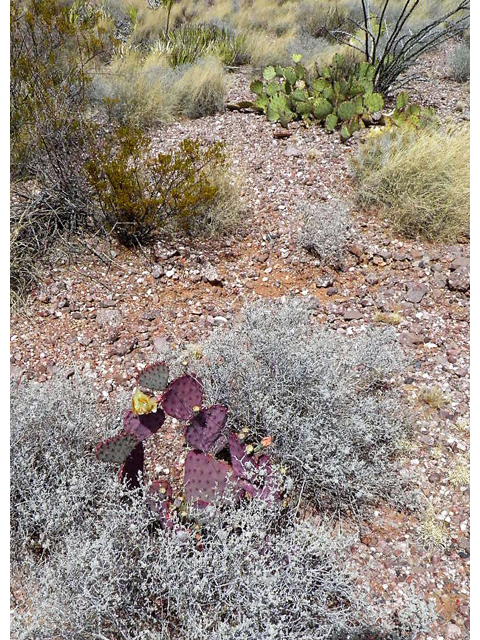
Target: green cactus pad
(346,110)
(322,108)
(272,88)
(374,102)
(116,449)
(256,86)
(278,108)
(402,100)
(154,377)
(345,132)
(290,75)
(262,102)
(331,122)
(269,73)
(318,85)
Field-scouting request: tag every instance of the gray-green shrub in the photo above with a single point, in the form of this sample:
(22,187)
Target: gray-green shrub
(459,63)
(326,230)
(322,396)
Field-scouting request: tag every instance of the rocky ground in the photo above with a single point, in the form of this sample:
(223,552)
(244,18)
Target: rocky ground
(105,318)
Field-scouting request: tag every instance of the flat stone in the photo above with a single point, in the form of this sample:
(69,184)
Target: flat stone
(416,293)
(460,263)
(352,314)
(292,152)
(212,277)
(324,283)
(218,321)
(109,317)
(106,304)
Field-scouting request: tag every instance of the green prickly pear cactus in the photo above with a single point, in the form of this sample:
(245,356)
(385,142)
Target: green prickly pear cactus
(331,96)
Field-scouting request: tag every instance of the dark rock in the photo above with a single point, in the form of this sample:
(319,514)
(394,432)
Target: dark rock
(282,133)
(331,291)
(459,280)
(106,304)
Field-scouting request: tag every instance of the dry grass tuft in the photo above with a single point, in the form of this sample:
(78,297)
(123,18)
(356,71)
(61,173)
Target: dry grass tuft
(419,179)
(434,397)
(433,532)
(460,476)
(144,90)
(388,318)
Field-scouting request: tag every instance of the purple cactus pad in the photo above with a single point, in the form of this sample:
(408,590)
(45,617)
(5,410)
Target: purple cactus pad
(132,466)
(205,477)
(207,430)
(182,396)
(143,426)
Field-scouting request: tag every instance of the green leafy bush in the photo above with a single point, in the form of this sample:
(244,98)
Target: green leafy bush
(140,195)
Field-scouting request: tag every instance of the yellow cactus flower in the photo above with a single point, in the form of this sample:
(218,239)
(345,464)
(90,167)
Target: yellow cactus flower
(142,404)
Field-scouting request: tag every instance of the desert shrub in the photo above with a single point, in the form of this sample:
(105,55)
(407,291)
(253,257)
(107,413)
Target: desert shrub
(89,561)
(143,90)
(54,48)
(201,90)
(420,180)
(264,49)
(459,63)
(322,396)
(140,195)
(392,40)
(326,230)
(55,482)
(316,18)
(136,89)
(191,42)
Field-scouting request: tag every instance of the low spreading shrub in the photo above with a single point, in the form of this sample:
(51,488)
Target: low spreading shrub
(323,397)
(326,230)
(420,180)
(459,63)
(89,559)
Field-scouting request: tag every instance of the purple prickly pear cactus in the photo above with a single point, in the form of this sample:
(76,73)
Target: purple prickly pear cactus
(205,477)
(183,397)
(143,426)
(154,377)
(132,466)
(116,449)
(256,476)
(207,430)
